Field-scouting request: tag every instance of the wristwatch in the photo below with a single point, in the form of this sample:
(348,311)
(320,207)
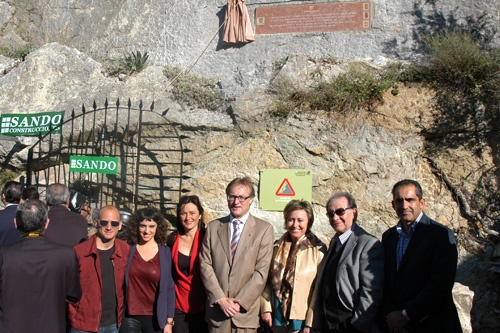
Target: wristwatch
(405,314)
(171,323)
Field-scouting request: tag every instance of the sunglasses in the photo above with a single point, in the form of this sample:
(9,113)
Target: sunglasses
(104,223)
(338,212)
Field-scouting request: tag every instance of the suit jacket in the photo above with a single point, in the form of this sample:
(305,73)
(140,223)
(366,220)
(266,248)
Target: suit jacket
(65,227)
(425,278)
(8,231)
(360,279)
(245,279)
(36,279)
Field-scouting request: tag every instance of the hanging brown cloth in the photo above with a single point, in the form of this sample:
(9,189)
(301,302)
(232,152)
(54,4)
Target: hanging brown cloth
(238,28)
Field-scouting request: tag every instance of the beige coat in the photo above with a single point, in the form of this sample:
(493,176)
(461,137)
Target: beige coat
(307,265)
(245,278)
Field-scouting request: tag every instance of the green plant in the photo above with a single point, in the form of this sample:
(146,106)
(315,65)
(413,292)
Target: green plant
(360,87)
(128,64)
(7,175)
(466,77)
(16,53)
(456,60)
(193,90)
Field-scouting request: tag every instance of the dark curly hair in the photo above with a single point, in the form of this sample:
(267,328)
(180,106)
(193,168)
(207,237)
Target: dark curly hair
(149,214)
(195,200)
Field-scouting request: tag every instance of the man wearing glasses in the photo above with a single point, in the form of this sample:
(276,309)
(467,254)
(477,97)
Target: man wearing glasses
(102,260)
(350,283)
(234,263)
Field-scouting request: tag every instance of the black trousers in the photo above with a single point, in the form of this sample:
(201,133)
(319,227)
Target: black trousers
(189,322)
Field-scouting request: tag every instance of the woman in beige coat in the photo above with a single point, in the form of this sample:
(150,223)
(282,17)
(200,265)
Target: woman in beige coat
(297,256)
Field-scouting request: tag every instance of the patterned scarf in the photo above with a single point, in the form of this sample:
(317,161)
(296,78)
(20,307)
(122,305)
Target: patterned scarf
(283,269)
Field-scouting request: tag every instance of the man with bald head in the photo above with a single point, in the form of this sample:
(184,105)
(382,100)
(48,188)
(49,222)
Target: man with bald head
(102,259)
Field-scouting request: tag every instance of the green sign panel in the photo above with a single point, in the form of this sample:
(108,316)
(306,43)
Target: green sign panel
(94,164)
(279,186)
(31,124)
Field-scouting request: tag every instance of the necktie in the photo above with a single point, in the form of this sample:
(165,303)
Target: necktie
(236,237)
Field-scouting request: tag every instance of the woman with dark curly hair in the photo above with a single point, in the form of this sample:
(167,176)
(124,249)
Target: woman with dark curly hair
(186,245)
(150,288)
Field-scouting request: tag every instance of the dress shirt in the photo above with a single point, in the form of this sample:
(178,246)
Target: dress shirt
(242,220)
(342,238)
(404,239)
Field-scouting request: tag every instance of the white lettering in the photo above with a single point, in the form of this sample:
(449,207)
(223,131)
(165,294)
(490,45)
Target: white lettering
(95,164)
(24,122)
(57,119)
(14,121)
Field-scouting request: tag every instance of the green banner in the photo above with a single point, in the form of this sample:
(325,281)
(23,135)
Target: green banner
(31,124)
(94,164)
(279,186)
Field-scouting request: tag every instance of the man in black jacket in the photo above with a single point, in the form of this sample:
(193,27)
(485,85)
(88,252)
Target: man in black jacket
(11,194)
(420,267)
(37,277)
(66,227)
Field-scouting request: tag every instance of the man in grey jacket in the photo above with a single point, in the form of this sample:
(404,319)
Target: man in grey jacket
(350,284)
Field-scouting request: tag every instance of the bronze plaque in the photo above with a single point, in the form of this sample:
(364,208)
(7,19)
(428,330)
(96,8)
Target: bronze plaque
(321,17)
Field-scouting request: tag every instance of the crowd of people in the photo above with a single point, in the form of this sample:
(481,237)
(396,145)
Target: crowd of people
(225,276)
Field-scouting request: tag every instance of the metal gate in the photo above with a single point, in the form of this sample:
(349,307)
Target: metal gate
(148,147)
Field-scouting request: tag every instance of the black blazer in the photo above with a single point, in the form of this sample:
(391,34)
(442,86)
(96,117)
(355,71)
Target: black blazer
(425,278)
(65,227)
(37,278)
(8,231)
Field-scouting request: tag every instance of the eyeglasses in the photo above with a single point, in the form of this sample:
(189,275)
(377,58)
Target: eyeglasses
(338,212)
(105,223)
(232,198)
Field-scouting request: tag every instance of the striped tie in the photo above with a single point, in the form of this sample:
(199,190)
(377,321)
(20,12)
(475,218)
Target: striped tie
(236,237)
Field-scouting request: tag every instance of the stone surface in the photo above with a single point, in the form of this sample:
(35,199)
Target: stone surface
(362,153)
(181,33)
(463,297)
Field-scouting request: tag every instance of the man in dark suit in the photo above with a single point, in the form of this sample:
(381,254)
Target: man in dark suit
(421,263)
(66,227)
(350,283)
(234,263)
(37,277)
(11,194)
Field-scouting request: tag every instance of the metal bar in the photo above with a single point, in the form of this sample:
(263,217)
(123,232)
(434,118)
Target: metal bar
(138,160)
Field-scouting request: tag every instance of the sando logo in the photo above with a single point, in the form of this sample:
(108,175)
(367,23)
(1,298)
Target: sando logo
(94,164)
(31,124)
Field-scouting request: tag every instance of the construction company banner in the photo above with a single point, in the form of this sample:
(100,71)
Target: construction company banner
(32,124)
(279,186)
(94,164)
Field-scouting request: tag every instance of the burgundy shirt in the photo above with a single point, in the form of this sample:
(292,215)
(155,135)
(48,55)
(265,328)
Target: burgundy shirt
(144,278)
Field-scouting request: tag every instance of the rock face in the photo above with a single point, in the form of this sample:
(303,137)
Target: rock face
(183,32)
(463,296)
(364,154)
